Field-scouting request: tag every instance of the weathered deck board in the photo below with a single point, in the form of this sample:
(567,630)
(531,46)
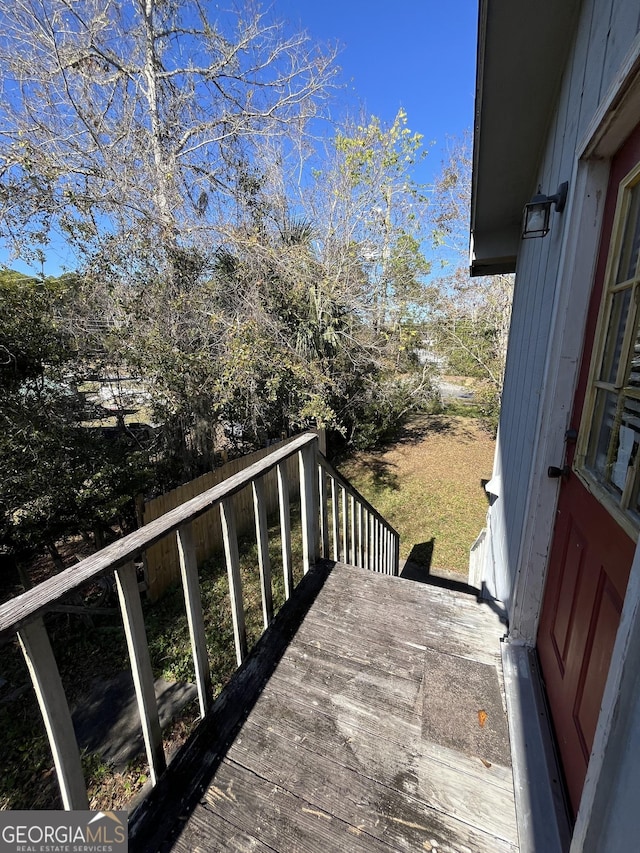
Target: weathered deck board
(314,726)
(340,752)
(344,781)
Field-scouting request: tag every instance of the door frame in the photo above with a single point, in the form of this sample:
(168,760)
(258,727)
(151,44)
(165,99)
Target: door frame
(613,121)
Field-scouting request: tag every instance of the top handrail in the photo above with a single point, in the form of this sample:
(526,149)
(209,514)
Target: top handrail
(25,607)
(328,467)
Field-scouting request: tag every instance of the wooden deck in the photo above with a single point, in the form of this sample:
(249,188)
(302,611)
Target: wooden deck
(381,728)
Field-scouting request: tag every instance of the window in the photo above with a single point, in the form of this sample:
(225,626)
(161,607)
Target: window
(608,456)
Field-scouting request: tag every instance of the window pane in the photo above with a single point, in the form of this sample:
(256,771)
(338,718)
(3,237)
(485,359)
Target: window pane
(627,442)
(633,380)
(631,241)
(601,454)
(615,334)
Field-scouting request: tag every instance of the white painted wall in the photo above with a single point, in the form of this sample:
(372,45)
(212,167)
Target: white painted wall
(598,105)
(531,440)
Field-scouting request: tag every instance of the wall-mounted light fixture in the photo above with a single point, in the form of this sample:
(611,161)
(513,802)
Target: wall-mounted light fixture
(538,212)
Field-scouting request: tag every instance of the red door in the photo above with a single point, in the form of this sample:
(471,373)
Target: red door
(594,537)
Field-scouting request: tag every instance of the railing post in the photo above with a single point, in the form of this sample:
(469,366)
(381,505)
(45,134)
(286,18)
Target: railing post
(195,620)
(230,539)
(309,503)
(396,554)
(136,636)
(262,539)
(41,663)
(285,527)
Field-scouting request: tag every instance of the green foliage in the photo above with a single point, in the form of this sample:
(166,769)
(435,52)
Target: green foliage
(468,321)
(58,477)
(369,149)
(380,411)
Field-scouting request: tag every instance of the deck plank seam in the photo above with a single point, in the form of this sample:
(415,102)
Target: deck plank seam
(502,786)
(490,659)
(427,642)
(230,762)
(375,838)
(439,810)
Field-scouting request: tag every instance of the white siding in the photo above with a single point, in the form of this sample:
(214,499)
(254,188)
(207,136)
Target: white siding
(605,32)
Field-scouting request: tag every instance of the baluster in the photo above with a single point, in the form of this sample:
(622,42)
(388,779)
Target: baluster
(345,525)
(367,539)
(262,539)
(195,621)
(369,542)
(309,503)
(136,635)
(285,527)
(41,663)
(360,543)
(335,520)
(230,539)
(324,520)
(352,513)
(383,549)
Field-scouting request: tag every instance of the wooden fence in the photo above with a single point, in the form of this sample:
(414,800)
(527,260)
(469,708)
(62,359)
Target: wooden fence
(162,563)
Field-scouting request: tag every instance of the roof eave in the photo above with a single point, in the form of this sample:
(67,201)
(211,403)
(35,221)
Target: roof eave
(522,51)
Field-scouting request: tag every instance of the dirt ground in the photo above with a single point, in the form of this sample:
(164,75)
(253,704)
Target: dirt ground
(430,485)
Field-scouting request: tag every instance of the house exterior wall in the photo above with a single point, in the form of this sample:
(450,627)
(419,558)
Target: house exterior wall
(604,35)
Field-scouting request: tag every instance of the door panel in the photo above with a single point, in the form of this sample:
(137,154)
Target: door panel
(606,617)
(588,572)
(569,592)
(594,537)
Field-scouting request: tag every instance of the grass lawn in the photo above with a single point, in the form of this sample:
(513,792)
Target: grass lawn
(428,484)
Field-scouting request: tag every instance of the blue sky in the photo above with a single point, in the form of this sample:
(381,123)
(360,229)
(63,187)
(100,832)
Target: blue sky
(418,54)
(415,54)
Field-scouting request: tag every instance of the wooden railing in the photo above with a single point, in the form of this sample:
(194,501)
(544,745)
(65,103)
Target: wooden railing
(359,534)
(333,515)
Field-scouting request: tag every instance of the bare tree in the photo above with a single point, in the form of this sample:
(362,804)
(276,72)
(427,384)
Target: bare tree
(470,316)
(124,115)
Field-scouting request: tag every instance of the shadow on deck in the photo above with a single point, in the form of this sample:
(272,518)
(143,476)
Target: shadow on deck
(370,717)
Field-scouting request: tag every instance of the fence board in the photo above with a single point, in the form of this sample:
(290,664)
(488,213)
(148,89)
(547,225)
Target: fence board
(162,564)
